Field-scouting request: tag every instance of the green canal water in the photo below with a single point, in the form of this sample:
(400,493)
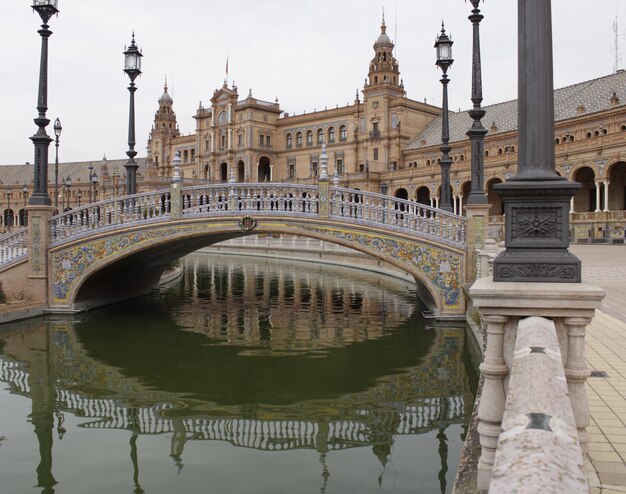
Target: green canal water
(244,376)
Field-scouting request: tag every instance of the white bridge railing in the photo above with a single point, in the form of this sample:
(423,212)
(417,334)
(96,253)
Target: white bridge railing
(234,199)
(13,246)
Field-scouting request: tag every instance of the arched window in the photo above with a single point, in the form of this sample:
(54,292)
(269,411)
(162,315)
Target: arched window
(299,139)
(331,135)
(486,153)
(193,154)
(499,150)
(320,136)
(309,137)
(588,135)
(343,133)
(185,156)
(223,141)
(570,138)
(289,141)
(221,118)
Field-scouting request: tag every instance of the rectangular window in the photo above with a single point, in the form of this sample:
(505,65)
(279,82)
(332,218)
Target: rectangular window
(393,165)
(314,169)
(339,167)
(206,145)
(394,121)
(240,140)
(267,141)
(292,170)
(261,140)
(361,167)
(375,154)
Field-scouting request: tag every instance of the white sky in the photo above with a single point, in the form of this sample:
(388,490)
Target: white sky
(308,53)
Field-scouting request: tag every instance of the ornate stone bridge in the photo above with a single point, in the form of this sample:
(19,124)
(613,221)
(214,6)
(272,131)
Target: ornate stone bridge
(116,249)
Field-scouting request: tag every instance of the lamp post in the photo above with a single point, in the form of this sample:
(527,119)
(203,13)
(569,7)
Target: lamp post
(93,180)
(443,47)
(9,215)
(477,132)
(57,135)
(132,67)
(41,140)
(79,194)
(67,185)
(24,195)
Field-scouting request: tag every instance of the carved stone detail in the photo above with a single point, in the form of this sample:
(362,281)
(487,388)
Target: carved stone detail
(536,223)
(537,271)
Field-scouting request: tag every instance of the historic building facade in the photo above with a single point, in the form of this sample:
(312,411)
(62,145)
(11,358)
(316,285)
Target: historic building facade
(251,140)
(382,142)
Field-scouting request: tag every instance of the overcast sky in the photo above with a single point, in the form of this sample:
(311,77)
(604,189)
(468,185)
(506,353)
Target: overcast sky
(309,54)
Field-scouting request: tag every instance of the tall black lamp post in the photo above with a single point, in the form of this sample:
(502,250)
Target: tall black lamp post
(41,140)
(443,46)
(477,132)
(536,199)
(67,185)
(24,215)
(93,181)
(132,66)
(57,135)
(9,212)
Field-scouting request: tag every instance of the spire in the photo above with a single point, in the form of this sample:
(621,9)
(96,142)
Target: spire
(165,85)
(383,27)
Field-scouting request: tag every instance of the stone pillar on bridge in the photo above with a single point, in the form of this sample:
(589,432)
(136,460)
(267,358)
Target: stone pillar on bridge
(38,243)
(475,234)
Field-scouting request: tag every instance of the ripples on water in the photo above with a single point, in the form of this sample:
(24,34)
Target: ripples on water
(248,375)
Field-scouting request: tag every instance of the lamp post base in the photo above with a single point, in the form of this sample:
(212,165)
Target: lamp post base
(537,232)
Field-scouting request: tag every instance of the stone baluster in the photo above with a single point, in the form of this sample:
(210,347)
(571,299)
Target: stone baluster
(576,372)
(492,400)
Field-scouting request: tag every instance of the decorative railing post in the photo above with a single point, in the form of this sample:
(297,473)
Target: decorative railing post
(576,373)
(176,191)
(492,400)
(323,186)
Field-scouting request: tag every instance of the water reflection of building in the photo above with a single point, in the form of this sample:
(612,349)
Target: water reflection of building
(48,364)
(346,309)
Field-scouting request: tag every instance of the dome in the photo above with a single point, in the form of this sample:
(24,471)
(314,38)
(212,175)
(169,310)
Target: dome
(383,39)
(165,99)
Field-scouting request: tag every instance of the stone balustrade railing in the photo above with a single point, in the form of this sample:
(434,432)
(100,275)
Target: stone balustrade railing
(538,448)
(13,246)
(86,220)
(346,205)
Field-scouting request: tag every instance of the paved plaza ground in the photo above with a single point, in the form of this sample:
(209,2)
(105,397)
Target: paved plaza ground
(605,266)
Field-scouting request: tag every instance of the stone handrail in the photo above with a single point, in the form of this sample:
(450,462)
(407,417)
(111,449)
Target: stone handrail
(538,448)
(398,214)
(279,199)
(241,198)
(14,246)
(88,219)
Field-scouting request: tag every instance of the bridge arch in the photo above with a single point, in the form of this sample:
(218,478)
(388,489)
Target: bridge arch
(94,272)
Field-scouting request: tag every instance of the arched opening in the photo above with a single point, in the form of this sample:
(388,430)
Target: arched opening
(23,217)
(241,171)
(207,172)
(8,218)
(320,136)
(185,156)
(423,195)
(309,137)
(264,170)
(493,198)
(224,172)
(585,198)
(617,187)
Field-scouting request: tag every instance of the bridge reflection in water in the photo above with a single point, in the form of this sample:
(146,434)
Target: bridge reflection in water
(267,357)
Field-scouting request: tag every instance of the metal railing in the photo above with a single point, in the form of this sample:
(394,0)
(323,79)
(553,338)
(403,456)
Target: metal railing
(13,246)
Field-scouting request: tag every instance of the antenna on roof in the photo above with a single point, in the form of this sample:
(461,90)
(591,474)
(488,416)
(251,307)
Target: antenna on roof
(395,32)
(616,47)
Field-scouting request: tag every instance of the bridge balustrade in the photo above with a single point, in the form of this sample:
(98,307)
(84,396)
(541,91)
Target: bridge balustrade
(14,246)
(392,212)
(101,215)
(237,198)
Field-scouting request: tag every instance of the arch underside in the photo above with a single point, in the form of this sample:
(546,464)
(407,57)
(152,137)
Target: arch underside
(127,263)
